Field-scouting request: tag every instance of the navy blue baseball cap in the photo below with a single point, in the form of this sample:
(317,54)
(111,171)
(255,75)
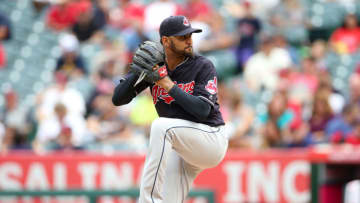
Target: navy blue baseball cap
(176,26)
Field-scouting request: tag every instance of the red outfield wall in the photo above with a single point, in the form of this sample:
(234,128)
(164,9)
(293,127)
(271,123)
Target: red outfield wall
(243,176)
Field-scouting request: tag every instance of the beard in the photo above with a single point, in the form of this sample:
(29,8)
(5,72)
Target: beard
(187,52)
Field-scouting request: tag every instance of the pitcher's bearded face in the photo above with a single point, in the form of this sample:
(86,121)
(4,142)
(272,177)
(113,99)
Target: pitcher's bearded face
(182,45)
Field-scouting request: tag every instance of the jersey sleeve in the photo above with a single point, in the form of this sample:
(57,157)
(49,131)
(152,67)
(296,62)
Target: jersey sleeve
(138,88)
(125,91)
(206,83)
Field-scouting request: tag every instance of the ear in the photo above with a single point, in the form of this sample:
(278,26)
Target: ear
(165,41)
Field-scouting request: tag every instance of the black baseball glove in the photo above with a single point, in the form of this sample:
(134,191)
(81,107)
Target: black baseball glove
(146,58)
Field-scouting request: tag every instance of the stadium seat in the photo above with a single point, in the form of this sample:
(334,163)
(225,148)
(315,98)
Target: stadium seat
(327,14)
(224,61)
(357,9)
(6,7)
(324,17)
(38,26)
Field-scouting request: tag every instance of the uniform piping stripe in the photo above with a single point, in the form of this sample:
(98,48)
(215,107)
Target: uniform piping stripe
(183,178)
(163,149)
(207,100)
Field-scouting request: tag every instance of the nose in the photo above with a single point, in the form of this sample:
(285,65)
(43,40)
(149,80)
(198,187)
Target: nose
(189,41)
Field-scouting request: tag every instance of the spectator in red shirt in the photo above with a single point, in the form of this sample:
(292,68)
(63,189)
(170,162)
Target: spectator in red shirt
(197,10)
(128,14)
(346,39)
(90,23)
(64,13)
(304,83)
(128,18)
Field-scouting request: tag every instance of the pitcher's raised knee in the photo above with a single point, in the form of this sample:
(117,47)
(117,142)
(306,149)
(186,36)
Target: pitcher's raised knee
(160,125)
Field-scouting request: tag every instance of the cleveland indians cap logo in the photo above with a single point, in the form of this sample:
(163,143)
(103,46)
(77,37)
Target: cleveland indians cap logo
(186,22)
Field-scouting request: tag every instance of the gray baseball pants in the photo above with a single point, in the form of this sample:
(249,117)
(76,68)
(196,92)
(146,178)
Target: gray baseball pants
(179,150)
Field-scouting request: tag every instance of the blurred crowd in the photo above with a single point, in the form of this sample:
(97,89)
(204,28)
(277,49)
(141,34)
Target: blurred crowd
(278,61)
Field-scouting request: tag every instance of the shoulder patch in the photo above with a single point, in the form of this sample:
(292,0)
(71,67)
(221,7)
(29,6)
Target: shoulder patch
(211,86)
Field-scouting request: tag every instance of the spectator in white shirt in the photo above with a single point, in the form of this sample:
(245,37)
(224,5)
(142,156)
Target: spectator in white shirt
(156,12)
(262,68)
(59,126)
(72,99)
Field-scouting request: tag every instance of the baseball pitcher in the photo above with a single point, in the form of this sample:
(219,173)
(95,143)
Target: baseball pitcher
(189,135)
